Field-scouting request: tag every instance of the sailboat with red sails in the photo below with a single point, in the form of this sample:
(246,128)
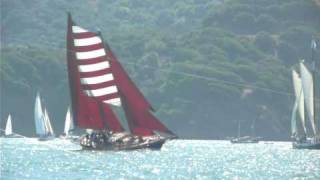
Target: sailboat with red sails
(98,82)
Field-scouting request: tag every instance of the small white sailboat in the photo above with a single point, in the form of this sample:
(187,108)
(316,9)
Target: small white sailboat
(68,127)
(68,124)
(38,117)
(42,122)
(246,139)
(8,130)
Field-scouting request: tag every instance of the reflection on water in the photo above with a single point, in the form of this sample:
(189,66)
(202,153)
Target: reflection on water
(179,159)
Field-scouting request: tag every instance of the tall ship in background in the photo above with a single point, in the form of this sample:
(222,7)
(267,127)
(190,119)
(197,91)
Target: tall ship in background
(246,139)
(99,83)
(305,136)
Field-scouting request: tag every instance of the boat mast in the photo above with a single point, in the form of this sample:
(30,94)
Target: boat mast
(238,128)
(253,132)
(313,47)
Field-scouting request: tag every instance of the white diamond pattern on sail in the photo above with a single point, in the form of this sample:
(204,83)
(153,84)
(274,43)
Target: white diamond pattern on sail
(94,67)
(87,41)
(307,86)
(39,117)
(77,29)
(298,91)
(96,77)
(102,91)
(91,54)
(8,130)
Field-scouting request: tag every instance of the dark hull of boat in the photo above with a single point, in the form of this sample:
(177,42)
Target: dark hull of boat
(245,140)
(297,145)
(120,142)
(154,145)
(46,138)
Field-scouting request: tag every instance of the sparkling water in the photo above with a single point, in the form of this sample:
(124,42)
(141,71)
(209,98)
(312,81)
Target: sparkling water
(28,158)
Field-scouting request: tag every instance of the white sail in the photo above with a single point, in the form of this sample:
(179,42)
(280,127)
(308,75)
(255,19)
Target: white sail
(68,124)
(8,130)
(298,91)
(39,117)
(294,119)
(49,130)
(307,85)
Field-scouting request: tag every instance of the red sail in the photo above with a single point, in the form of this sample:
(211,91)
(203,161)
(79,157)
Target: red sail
(136,107)
(92,85)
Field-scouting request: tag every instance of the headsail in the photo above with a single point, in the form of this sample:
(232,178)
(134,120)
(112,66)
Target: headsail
(8,130)
(298,91)
(49,130)
(307,85)
(294,131)
(39,117)
(92,85)
(137,109)
(68,124)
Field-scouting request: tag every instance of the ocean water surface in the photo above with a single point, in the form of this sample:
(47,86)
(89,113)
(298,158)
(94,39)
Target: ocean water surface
(28,158)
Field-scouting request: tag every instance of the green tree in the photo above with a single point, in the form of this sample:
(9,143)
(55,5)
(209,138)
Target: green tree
(265,42)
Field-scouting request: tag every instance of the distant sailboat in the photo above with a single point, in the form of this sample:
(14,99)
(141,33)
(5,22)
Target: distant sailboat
(304,87)
(38,117)
(68,124)
(48,125)
(42,122)
(98,81)
(8,133)
(8,130)
(68,127)
(246,139)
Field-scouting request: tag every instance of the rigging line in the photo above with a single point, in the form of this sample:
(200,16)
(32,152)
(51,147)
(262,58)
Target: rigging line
(218,81)
(210,79)
(204,77)
(215,80)
(207,78)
